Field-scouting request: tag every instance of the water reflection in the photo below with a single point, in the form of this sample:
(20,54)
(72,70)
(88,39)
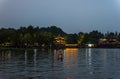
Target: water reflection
(88,57)
(35,54)
(71,55)
(25,57)
(30,58)
(71,63)
(59,54)
(5,56)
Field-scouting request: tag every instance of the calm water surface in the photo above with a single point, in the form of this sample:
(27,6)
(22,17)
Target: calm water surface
(89,63)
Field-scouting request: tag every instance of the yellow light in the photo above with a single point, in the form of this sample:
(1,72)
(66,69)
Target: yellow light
(58,41)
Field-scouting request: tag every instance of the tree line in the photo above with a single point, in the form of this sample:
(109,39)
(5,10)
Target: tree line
(35,36)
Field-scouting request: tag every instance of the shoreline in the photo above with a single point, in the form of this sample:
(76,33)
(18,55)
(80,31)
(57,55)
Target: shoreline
(61,46)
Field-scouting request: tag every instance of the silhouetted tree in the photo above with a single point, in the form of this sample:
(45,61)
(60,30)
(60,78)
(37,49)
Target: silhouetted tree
(72,39)
(31,36)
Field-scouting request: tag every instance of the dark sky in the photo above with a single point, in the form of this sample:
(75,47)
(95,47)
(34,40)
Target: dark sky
(72,16)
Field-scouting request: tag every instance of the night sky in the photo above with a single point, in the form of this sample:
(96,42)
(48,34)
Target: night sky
(72,16)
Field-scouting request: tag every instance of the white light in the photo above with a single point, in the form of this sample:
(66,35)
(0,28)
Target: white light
(90,45)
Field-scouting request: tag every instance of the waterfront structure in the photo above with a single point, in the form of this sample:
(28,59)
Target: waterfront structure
(71,45)
(108,41)
(59,40)
(103,41)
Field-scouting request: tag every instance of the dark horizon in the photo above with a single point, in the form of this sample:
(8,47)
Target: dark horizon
(16,28)
(46,36)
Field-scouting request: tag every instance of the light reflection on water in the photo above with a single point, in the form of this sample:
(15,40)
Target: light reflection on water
(71,63)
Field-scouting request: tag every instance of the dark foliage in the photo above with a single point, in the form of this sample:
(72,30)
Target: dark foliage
(36,36)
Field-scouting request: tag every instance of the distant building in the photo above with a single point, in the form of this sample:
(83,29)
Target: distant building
(71,45)
(108,41)
(59,40)
(103,41)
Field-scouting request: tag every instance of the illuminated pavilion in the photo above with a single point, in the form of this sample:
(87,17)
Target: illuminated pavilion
(59,40)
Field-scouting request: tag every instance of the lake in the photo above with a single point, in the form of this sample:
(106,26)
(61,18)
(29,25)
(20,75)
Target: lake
(69,63)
